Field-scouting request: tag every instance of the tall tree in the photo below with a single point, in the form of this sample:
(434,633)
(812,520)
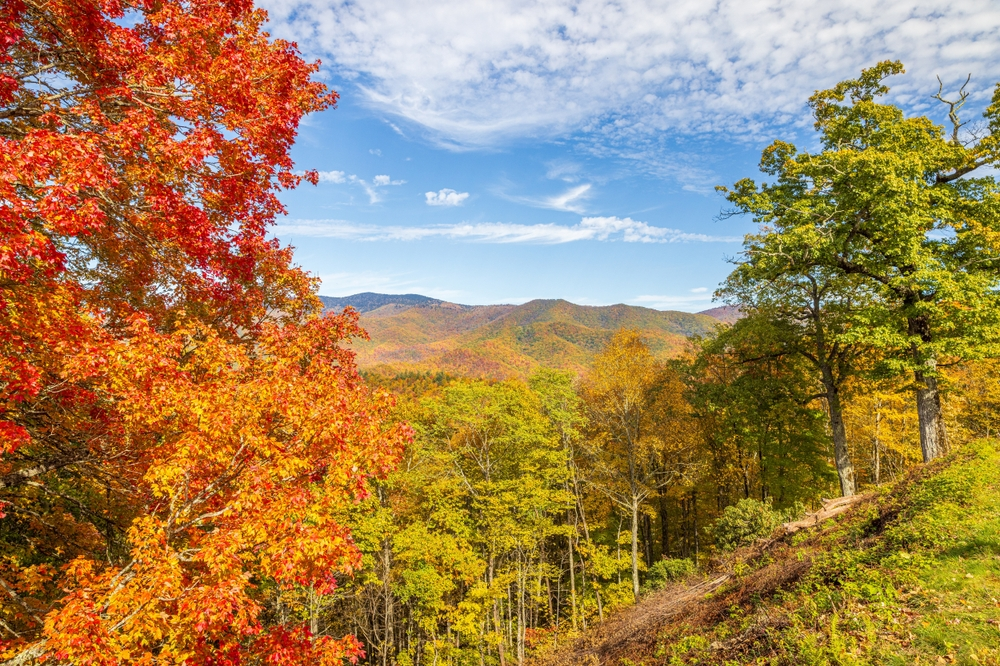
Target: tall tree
(882,428)
(509,470)
(562,406)
(894,201)
(179,428)
(618,393)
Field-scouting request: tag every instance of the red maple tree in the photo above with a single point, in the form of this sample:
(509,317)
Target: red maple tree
(180,426)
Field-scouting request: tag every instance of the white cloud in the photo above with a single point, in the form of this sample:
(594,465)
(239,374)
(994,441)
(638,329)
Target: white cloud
(589,228)
(570,201)
(446,197)
(331,176)
(374,194)
(699,290)
(476,72)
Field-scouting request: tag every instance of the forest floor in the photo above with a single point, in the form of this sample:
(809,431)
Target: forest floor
(908,574)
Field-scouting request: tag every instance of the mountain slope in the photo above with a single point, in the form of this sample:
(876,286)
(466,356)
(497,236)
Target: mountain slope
(727,314)
(910,575)
(511,340)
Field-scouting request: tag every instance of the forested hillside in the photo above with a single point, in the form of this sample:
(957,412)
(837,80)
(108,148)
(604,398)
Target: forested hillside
(527,513)
(368,301)
(501,341)
(532,514)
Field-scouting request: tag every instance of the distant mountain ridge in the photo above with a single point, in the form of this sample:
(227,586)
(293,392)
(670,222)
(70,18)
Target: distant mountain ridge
(368,301)
(413,332)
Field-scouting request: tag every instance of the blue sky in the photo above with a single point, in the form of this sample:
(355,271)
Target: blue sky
(489,151)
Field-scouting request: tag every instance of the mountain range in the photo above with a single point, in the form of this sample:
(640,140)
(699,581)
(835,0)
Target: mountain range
(410,332)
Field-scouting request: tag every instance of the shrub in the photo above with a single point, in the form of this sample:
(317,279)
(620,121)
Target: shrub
(665,571)
(745,522)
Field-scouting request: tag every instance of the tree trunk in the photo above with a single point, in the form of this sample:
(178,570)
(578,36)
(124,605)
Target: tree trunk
(635,548)
(932,431)
(664,527)
(842,457)
(313,613)
(522,579)
(647,538)
(878,449)
(933,438)
(572,581)
(694,523)
(496,614)
(387,637)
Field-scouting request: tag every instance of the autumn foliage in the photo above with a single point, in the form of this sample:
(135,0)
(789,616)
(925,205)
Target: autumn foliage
(180,428)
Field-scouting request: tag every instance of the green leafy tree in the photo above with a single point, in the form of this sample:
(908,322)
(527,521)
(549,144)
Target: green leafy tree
(563,408)
(762,429)
(507,473)
(744,523)
(807,313)
(893,201)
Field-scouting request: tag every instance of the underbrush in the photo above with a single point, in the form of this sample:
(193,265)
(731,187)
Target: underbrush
(910,576)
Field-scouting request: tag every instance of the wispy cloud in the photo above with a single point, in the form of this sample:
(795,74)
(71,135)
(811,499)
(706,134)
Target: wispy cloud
(563,170)
(588,229)
(446,197)
(570,201)
(686,302)
(371,189)
(374,195)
